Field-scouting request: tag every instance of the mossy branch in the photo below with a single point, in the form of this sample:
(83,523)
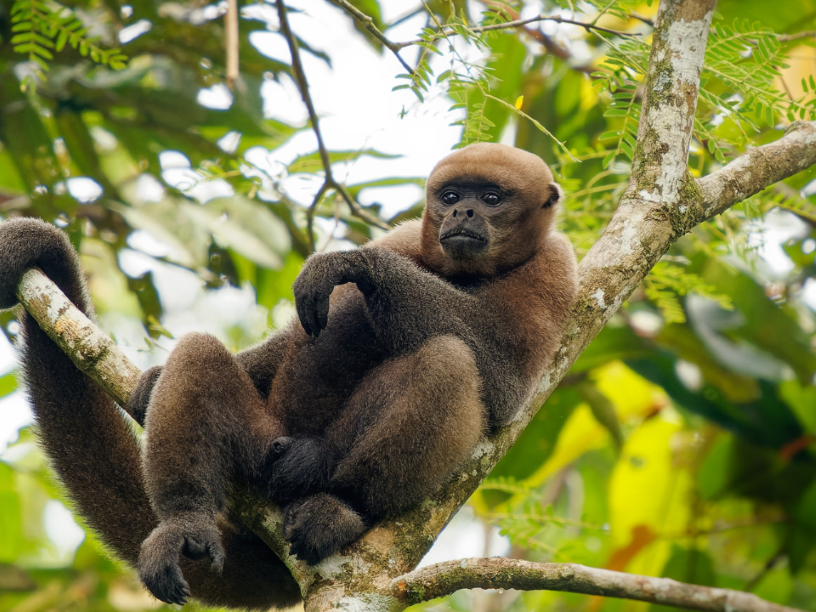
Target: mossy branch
(445,578)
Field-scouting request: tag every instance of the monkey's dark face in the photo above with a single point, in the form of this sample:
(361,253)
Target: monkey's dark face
(465,230)
(488,208)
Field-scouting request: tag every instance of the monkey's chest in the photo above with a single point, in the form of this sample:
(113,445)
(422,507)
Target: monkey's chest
(315,381)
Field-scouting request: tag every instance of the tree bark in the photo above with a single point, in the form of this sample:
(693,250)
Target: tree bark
(445,578)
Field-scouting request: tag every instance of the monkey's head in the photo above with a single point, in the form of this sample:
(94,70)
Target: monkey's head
(489,208)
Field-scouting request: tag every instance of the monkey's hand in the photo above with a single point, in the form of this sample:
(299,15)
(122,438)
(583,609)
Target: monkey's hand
(159,570)
(316,281)
(140,398)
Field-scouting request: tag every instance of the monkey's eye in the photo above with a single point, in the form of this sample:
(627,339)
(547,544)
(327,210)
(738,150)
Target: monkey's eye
(450,197)
(491,199)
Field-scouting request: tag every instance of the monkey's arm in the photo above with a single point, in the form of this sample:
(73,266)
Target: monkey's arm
(261,361)
(406,304)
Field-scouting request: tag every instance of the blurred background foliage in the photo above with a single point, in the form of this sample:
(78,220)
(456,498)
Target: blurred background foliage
(681,444)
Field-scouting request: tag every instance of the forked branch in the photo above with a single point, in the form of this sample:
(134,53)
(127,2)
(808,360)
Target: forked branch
(329,181)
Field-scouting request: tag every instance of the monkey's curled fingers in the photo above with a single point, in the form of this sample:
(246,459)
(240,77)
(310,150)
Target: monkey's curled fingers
(314,285)
(159,558)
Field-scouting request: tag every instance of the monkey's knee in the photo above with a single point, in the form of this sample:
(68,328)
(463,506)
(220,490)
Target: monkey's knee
(197,355)
(202,375)
(443,374)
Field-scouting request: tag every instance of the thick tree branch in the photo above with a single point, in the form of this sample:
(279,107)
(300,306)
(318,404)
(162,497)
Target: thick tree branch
(759,168)
(446,578)
(78,337)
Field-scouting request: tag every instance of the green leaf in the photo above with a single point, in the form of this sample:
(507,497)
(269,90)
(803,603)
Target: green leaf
(311,162)
(21,38)
(8,384)
(61,40)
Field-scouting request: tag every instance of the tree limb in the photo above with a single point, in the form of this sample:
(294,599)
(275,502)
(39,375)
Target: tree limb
(759,168)
(89,348)
(445,578)
(329,182)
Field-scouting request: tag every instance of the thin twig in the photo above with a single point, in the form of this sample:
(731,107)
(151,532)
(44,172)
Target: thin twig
(368,24)
(357,210)
(231,41)
(796,36)
(518,23)
(311,213)
(329,182)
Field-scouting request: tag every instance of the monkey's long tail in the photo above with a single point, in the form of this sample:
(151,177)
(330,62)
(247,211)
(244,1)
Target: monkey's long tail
(92,448)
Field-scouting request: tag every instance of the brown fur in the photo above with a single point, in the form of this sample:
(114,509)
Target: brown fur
(408,350)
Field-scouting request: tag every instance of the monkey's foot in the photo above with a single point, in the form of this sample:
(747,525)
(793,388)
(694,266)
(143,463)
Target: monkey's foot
(303,468)
(319,526)
(158,565)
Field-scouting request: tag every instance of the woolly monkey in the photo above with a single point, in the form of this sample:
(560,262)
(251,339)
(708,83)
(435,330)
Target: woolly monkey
(407,351)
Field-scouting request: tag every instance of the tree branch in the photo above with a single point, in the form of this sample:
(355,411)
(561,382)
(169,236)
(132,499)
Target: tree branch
(446,578)
(329,182)
(519,23)
(231,41)
(368,24)
(89,348)
(796,36)
(759,168)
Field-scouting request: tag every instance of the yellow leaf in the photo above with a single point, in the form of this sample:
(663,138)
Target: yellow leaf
(633,397)
(648,491)
(519,102)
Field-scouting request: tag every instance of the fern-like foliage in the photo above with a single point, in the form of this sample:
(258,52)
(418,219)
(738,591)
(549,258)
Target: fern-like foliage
(468,84)
(668,281)
(738,84)
(622,9)
(530,523)
(41,29)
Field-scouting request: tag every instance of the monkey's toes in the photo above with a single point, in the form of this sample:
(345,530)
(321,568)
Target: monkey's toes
(158,566)
(309,538)
(195,538)
(279,446)
(204,540)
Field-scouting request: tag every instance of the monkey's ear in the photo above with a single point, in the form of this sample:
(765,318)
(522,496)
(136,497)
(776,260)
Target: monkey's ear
(556,195)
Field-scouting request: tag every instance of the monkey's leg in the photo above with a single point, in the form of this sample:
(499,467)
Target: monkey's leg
(91,446)
(206,426)
(405,430)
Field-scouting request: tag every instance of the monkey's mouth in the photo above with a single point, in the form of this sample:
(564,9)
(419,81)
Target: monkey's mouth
(460,234)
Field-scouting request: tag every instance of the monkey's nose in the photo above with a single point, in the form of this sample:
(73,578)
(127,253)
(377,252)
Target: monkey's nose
(468,212)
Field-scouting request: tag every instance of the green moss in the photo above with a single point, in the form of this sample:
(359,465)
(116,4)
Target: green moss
(689,209)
